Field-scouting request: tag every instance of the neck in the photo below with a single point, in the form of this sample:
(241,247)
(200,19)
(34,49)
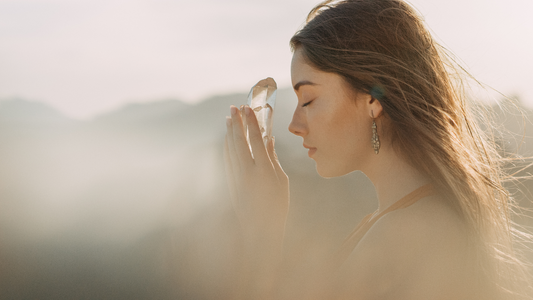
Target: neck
(393,177)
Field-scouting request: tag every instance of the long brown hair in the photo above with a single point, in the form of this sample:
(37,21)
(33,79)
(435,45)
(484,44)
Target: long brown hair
(382,47)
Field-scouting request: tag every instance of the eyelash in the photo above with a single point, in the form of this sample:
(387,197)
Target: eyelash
(307,103)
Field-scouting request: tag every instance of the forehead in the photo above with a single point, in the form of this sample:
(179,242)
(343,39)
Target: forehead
(302,70)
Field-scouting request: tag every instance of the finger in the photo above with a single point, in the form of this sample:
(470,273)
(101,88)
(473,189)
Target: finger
(229,172)
(256,138)
(243,116)
(245,127)
(235,164)
(239,140)
(282,176)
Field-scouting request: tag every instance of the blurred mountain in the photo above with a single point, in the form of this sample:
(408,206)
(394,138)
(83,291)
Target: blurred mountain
(22,112)
(139,112)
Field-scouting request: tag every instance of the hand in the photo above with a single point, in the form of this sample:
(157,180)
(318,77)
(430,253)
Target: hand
(258,185)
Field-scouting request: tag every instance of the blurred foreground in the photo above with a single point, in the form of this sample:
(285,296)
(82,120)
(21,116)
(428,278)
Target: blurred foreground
(134,204)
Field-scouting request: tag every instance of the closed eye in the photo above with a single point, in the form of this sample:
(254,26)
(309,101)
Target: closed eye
(307,103)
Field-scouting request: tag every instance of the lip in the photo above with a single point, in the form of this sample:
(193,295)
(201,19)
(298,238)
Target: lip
(311,151)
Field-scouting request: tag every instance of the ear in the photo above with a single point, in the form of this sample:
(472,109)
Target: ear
(374,107)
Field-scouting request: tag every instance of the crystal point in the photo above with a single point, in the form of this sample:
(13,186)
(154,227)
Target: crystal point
(262,100)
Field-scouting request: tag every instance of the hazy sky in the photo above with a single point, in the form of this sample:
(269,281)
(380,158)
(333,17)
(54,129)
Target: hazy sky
(85,57)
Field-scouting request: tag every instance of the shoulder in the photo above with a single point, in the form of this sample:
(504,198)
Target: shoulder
(416,237)
(416,251)
(429,222)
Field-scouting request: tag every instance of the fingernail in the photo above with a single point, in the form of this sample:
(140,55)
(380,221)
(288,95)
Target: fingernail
(241,108)
(233,110)
(247,110)
(228,121)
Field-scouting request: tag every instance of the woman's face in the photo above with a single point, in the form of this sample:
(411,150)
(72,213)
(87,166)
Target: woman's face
(333,120)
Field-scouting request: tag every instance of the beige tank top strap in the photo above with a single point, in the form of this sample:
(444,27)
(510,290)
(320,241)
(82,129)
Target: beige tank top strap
(409,199)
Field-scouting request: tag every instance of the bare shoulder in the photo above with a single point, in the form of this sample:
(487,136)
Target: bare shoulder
(418,252)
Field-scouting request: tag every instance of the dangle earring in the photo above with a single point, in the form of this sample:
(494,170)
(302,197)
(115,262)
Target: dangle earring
(375,137)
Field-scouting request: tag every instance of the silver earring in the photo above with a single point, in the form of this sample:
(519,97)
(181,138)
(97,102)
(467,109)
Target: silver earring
(375,137)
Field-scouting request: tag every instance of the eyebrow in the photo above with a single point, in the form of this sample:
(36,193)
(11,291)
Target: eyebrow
(303,82)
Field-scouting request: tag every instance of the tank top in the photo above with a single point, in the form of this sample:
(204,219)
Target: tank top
(369,220)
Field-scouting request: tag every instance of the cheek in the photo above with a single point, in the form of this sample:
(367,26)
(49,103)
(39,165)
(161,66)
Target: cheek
(354,142)
(341,132)
(331,118)
(346,124)
(340,126)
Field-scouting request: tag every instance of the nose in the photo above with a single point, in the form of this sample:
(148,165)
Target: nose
(298,125)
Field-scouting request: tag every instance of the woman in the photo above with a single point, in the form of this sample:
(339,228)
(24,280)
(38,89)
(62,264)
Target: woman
(378,95)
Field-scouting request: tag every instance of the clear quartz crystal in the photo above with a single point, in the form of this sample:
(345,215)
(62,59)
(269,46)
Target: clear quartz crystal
(262,100)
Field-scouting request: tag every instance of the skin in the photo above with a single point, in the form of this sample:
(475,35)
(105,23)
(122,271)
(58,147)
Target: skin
(413,253)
